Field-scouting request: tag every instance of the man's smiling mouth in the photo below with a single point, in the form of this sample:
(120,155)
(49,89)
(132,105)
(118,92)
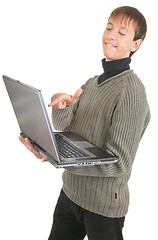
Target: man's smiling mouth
(110,45)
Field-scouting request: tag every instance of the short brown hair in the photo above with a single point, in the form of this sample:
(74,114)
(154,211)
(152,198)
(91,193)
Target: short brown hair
(131,13)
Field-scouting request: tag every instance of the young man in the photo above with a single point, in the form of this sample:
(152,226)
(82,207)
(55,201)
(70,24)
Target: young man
(111,111)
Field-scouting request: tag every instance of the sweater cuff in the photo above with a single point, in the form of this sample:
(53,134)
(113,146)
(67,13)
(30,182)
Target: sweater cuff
(62,118)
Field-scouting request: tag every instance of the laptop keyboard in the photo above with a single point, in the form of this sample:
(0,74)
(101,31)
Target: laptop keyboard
(68,150)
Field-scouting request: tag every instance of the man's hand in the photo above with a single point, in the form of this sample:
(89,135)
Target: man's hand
(61,100)
(29,146)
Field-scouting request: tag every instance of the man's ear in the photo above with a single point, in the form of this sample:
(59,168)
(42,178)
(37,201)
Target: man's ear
(136,44)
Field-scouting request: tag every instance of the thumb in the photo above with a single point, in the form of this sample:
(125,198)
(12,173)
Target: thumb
(77,94)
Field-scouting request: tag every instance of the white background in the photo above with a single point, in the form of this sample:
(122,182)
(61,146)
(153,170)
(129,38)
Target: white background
(56,46)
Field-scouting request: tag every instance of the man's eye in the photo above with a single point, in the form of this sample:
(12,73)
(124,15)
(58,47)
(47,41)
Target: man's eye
(108,28)
(123,34)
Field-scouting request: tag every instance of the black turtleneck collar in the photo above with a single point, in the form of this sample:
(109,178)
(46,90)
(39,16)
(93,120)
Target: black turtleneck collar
(112,68)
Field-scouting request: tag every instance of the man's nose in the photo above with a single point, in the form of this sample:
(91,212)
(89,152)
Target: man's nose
(113,35)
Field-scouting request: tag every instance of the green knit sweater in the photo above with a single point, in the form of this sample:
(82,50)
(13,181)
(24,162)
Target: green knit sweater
(112,115)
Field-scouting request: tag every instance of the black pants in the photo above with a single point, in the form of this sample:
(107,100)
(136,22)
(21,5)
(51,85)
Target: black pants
(72,222)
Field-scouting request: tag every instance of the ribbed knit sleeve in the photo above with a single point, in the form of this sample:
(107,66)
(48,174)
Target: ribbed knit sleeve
(129,121)
(62,118)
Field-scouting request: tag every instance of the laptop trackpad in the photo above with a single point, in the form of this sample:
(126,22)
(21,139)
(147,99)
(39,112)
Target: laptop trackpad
(84,144)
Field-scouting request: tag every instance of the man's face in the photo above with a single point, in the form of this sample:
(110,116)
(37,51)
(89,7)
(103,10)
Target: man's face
(118,39)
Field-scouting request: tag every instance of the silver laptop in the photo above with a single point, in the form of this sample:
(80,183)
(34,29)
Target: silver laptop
(61,149)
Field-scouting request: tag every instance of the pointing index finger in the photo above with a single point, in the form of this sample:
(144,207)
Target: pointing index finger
(77,94)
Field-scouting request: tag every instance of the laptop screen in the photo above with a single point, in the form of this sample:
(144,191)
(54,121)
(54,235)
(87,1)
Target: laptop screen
(31,114)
